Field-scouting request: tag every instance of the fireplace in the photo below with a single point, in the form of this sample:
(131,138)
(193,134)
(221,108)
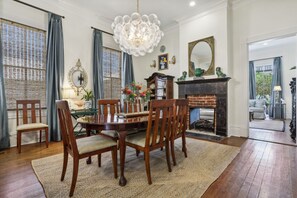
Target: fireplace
(202,114)
(207,94)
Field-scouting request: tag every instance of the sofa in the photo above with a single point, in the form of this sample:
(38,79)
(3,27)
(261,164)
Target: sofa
(258,107)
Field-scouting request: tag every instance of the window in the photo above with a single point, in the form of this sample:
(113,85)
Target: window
(112,73)
(24,51)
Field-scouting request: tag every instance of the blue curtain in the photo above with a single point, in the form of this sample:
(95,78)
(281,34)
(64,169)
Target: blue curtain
(276,81)
(54,73)
(4,133)
(252,80)
(127,69)
(98,86)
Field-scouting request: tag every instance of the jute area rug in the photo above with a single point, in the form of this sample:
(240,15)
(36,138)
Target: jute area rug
(272,125)
(190,178)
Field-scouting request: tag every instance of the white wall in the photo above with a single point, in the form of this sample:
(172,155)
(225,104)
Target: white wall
(254,21)
(77,32)
(288,52)
(142,64)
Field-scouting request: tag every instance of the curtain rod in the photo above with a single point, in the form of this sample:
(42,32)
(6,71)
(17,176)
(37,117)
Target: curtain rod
(266,58)
(102,31)
(32,6)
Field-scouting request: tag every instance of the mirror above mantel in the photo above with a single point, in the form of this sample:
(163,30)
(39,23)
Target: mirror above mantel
(201,55)
(77,77)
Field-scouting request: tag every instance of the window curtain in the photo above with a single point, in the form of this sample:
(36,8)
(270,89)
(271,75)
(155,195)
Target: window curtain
(54,73)
(98,86)
(276,81)
(252,81)
(4,133)
(127,69)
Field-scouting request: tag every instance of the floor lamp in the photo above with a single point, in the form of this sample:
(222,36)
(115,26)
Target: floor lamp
(277,89)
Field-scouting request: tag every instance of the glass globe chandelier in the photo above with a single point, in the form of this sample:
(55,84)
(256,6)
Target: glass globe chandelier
(136,34)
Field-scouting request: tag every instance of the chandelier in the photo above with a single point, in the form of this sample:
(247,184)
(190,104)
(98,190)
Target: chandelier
(136,34)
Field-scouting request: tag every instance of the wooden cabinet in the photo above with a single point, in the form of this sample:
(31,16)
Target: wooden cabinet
(161,86)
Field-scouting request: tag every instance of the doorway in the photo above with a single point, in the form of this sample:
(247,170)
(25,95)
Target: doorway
(270,71)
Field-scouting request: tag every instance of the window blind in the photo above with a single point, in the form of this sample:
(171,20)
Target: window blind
(24,59)
(112,73)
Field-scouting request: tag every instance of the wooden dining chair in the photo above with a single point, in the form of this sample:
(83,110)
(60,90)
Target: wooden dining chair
(179,127)
(157,134)
(28,113)
(132,107)
(82,147)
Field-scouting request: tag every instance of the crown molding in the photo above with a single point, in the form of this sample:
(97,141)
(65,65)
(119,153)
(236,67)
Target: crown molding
(211,8)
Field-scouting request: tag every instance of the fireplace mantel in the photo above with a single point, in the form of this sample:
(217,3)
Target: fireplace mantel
(214,86)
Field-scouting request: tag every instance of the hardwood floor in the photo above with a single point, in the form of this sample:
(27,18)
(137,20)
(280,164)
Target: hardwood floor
(262,169)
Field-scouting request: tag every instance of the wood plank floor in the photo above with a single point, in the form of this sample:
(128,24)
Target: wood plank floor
(262,169)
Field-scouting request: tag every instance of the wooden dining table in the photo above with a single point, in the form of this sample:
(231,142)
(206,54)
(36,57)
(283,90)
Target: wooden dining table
(121,123)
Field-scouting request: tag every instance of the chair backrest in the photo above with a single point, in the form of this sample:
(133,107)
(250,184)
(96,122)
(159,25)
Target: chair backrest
(28,111)
(181,113)
(66,126)
(159,122)
(109,106)
(132,107)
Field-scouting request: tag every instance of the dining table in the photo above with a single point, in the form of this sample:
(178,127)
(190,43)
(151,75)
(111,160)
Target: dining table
(121,123)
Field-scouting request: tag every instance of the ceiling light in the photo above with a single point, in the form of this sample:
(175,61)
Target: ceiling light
(136,34)
(192,3)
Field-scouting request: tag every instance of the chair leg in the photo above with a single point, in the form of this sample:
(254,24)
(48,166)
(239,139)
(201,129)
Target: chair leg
(40,135)
(74,175)
(115,161)
(99,160)
(184,149)
(65,162)
(173,152)
(19,141)
(168,155)
(147,166)
(46,137)
(137,152)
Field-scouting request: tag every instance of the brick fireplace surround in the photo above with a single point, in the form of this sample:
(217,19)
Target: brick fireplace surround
(208,93)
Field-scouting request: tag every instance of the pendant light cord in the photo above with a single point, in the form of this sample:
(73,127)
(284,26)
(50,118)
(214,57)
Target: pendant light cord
(138,6)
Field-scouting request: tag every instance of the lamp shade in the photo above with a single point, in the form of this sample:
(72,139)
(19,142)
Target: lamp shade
(277,88)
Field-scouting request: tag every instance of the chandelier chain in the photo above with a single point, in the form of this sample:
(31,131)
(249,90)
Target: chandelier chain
(138,6)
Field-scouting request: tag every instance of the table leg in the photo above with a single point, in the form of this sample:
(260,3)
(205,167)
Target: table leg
(89,159)
(122,138)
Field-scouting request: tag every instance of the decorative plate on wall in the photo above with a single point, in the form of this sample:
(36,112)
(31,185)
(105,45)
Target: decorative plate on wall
(162,48)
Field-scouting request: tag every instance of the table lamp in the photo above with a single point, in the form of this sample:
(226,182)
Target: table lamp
(277,89)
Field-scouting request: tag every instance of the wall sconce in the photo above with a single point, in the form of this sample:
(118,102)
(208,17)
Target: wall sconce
(154,64)
(173,60)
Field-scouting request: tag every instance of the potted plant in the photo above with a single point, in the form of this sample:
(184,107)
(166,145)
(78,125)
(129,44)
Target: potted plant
(88,97)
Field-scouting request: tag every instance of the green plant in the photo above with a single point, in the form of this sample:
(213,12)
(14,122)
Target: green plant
(88,95)
(263,84)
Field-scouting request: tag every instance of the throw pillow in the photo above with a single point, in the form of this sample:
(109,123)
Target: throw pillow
(260,103)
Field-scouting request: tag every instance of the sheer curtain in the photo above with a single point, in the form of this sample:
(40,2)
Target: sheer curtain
(276,81)
(4,133)
(98,86)
(54,73)
(252,81)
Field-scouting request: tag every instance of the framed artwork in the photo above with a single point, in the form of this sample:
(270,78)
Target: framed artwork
(163,61)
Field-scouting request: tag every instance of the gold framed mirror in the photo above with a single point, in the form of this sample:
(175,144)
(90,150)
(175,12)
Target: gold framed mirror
(201,55)
(77,77)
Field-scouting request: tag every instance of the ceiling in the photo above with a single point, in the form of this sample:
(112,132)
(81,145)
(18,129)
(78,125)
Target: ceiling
(168,11)
(273,43)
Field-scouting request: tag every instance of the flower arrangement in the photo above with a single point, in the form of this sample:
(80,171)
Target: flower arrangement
(133,92)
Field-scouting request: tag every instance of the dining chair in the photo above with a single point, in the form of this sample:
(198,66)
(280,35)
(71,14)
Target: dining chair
(82,147)
(28,113)
(181,108)
(157,133)
(132,107)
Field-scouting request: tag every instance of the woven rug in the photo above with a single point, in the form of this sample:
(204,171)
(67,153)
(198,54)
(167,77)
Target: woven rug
(190,178)
(273,125)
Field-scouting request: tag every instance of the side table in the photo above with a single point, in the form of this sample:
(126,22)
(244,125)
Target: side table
(77,113)
(251,115)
